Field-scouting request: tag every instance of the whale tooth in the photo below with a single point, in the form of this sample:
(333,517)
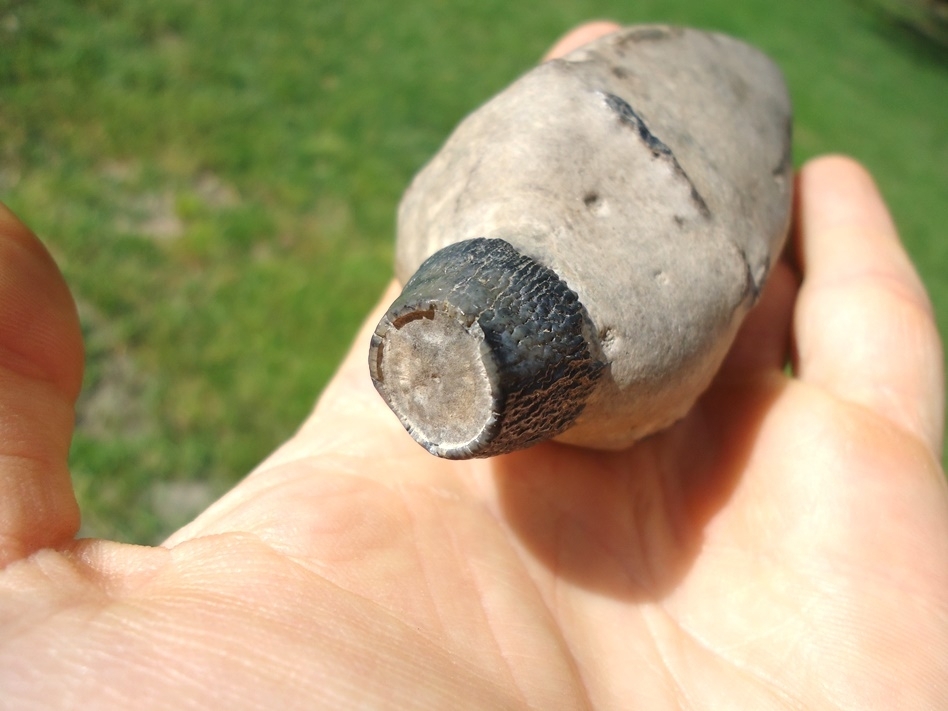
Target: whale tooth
(578,256)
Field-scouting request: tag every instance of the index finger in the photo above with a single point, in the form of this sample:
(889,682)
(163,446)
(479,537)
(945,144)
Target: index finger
(864,328)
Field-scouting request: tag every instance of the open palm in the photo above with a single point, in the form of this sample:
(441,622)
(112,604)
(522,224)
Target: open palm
(784,546)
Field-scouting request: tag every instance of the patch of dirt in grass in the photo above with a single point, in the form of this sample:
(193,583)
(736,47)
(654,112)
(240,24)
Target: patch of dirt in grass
(9,178)
(214,192)
(156,214)
(152,215)
(112,402)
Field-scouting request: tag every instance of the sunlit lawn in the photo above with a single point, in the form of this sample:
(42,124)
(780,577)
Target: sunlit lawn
(218,182)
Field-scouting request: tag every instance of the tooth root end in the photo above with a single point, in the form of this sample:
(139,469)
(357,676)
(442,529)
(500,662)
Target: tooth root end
(438,377)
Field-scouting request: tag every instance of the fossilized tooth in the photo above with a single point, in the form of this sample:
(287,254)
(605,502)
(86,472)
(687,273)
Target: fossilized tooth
(586,244)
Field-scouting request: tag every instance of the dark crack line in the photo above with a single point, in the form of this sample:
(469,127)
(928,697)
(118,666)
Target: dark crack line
(659,148)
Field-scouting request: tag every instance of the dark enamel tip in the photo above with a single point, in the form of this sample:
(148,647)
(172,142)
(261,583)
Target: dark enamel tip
(484,352)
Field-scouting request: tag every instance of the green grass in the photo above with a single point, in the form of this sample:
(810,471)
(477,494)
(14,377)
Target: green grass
(218,182)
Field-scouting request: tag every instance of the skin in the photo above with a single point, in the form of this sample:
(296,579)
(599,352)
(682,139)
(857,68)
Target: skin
(785,546)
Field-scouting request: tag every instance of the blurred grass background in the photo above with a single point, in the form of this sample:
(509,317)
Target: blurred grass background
(218,182)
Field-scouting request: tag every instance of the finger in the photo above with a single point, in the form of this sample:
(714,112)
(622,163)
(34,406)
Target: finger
(864,328)
(40,377)
(577,37)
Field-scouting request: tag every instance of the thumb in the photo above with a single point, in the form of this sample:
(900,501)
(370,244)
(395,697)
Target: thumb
(40,377)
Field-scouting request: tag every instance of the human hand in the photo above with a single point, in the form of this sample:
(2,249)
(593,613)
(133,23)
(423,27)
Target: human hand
(784,546)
